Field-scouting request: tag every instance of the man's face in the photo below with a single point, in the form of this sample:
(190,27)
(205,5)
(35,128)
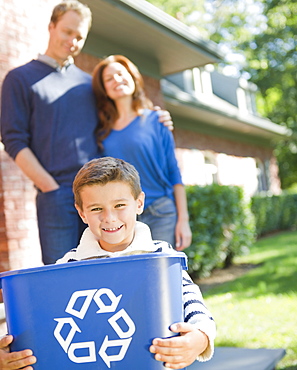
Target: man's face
(110,211)
(67,36)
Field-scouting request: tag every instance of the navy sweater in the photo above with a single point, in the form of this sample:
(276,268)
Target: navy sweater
(53,113)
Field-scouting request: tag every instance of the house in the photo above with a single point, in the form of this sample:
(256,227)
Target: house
(218,135)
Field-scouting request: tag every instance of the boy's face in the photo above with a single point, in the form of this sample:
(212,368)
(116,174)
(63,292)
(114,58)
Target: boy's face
(110,211)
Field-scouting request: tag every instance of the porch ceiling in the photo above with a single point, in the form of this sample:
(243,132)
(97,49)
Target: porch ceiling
(136,26)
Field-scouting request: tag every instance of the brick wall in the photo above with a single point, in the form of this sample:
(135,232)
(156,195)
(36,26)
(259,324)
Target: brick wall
(189,139)
(19,214)
(153,90)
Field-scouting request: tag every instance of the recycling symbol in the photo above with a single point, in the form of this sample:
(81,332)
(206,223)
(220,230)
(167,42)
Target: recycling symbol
(109,305)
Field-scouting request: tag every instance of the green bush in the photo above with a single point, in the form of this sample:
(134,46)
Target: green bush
(274,212)
(222,226)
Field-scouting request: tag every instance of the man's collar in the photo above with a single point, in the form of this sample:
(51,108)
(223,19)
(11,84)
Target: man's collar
(53,63)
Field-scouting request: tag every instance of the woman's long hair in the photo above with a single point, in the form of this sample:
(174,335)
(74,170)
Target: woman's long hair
(106,107)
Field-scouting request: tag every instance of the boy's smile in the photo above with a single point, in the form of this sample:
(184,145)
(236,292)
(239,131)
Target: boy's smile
(110,211)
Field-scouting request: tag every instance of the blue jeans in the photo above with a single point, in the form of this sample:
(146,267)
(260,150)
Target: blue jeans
(60,226)
(161,217)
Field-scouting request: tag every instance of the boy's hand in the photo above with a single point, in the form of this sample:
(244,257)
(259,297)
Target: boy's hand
(14,360)
(180,351)
(164,117)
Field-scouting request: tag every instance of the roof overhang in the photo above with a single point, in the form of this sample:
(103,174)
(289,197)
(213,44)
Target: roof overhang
(148,36)
(210,113)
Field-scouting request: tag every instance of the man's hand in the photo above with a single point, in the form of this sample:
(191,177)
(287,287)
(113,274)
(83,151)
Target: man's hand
(180,351)
(14,360)
(164,117)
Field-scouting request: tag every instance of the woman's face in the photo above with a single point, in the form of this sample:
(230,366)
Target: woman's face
(118,82)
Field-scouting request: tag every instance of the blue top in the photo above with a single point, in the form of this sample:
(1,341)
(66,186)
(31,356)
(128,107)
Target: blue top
(149,146)
(53,113)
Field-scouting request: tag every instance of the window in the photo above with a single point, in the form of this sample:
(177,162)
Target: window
(262,170)
(210,169)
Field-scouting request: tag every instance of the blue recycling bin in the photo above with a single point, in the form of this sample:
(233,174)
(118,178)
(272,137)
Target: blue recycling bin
(95,314)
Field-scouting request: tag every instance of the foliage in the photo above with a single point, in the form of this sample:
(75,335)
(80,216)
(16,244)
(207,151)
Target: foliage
(250,310)
(271,62)
(274,212)
(222,226)
(178,8)
(191,12)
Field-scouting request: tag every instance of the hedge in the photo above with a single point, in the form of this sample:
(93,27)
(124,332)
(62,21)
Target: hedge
(274,212)
(222,226)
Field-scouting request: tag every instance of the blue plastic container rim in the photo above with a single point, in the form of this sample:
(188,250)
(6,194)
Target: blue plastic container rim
(121,259)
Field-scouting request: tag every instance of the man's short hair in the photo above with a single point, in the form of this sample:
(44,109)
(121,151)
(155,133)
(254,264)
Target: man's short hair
(103,170)
(82,9)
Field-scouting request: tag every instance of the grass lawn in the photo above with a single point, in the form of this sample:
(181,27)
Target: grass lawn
(259,309)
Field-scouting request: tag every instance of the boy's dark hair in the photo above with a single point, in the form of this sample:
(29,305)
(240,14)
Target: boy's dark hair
(82,9)
(103,170)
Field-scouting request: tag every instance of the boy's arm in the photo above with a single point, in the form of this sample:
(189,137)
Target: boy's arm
(197,314)
(14,360)
(180,351)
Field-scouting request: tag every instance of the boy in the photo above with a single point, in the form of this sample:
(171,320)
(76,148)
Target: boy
(108,198)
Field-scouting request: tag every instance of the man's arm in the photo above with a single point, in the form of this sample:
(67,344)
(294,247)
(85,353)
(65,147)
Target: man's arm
(32,168)
(16,106)
(164,117)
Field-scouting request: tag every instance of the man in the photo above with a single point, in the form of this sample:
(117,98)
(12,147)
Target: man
(48,121)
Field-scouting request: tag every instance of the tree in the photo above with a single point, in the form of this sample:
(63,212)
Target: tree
(271,61)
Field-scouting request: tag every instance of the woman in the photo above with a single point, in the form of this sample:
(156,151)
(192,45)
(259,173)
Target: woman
(130,130)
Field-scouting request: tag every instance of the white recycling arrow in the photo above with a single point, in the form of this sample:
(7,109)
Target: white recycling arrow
(123,330)
(64,343)
(82,359)
(81,293)
(114,300)
(123,343)
(130,324)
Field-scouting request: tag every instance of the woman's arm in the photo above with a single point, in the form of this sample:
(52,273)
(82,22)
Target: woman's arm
(183,234)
